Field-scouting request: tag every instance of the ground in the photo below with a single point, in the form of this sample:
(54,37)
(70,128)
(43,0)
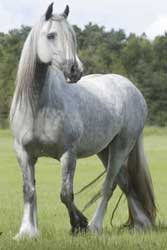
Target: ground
(53,219)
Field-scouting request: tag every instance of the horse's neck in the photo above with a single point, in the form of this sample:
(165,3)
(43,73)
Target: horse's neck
(49,95)
(49,81)
(51,89)
(49,84)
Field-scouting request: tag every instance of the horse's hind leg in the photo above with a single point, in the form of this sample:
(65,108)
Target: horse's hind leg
(104,156)
(29,220)
(137,218)
(122,179)
(117,154)
(135,181)
(77,219)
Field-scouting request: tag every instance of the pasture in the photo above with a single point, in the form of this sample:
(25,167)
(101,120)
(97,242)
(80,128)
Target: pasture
(53,218)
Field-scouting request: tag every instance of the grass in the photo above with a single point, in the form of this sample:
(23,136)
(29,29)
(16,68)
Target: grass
(53,219)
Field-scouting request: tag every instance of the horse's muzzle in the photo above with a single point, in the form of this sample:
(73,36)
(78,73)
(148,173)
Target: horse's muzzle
(75,74)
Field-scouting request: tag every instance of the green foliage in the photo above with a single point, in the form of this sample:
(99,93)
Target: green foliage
(136,57)
(10,49)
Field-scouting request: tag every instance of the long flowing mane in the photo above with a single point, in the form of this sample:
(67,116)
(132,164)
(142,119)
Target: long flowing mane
(25,80)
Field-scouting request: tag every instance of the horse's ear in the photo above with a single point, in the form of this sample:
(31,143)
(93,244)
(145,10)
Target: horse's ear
(49,12)
(66,11)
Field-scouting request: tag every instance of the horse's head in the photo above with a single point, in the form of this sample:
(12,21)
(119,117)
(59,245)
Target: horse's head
(57,44)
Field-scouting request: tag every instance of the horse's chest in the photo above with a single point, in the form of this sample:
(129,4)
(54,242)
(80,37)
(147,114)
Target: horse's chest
(50,137)
(39,148)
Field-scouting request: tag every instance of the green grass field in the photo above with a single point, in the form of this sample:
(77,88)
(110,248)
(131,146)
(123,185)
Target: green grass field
(53,219)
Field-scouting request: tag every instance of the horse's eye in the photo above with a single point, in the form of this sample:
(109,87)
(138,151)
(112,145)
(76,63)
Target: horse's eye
(51,36)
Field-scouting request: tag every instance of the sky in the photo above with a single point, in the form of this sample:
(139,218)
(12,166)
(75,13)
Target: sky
(137,16)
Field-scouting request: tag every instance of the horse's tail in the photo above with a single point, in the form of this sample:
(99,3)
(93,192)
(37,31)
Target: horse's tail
(140,182)
(96,196)
(90,183)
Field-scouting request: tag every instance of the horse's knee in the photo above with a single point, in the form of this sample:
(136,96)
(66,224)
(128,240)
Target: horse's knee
(63,197)
(66,197)
(29,192)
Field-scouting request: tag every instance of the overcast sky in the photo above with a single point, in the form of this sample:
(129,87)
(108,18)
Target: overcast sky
(137,16)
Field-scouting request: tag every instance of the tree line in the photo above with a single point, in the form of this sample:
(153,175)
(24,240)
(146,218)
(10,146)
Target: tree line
(143,61)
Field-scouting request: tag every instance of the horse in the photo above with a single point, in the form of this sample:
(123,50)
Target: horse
(56,113)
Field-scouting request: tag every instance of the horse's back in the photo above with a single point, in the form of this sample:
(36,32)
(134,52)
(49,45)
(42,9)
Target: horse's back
(116,87)
(109,80)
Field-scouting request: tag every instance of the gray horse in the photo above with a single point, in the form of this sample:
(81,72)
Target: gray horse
(101,114)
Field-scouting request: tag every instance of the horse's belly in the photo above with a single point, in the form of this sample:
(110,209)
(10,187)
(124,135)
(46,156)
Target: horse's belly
(91,149)
(86,152)
(93,144)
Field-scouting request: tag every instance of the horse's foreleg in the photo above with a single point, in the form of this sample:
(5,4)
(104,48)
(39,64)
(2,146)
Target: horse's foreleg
(117,155)
(77,219)
(29,220)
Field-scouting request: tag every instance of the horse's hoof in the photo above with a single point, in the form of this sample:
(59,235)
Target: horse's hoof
(25,235)
(78,229)
(94,228)
(20,236)
(81,227)
(79,223)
